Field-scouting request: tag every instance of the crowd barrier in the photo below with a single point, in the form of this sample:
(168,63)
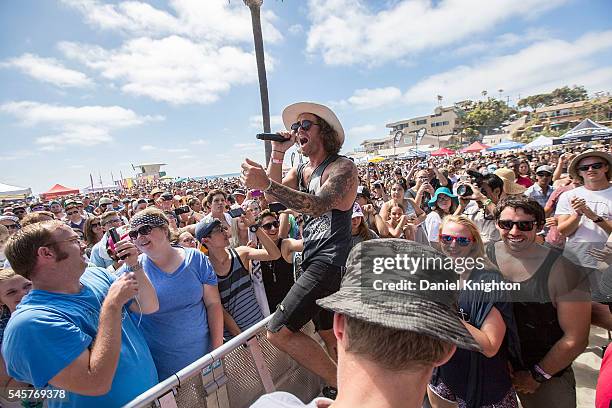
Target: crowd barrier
(234,375)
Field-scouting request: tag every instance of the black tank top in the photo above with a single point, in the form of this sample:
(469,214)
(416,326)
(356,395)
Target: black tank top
(537,322)
(327,238)
(277,278)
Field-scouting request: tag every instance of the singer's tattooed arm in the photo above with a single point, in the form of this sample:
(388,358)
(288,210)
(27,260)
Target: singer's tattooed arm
(338,191)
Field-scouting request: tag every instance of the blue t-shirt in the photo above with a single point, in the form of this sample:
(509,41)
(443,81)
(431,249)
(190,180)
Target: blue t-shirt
(178,333)
(48,331)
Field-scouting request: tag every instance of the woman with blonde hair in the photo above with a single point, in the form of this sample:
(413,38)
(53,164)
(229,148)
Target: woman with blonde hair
(476,379)
(13,288)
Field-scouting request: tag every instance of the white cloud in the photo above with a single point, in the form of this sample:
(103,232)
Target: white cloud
(256,122)
(374,98)
(187,157)
(348,32)
(194,52)
(539,67)
(83,125)
(146,148)
(362,131)
(199,142)
(212,21)
(48,70)
(502,41)
(296,29)
(173,69)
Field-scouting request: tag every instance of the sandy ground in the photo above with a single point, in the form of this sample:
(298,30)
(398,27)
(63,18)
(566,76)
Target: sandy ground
(586,368)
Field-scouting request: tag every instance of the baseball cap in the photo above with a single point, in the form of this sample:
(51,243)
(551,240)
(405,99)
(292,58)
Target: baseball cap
(156,190)
(547,169)
(205,227)
(363,190)
(105,200)
(428,312)
(239,191)
(166,196)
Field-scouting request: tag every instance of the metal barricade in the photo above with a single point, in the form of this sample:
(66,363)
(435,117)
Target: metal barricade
(234,376)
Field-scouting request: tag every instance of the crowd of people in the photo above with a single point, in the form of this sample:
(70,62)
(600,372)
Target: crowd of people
(105,294)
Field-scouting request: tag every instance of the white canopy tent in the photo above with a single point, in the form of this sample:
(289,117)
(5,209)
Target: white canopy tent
(539,142)
(8,192)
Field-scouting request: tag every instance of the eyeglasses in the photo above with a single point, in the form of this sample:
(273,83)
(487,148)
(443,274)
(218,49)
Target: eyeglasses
(113,221)
(305,124)
(269,225)
(594,166)
(142,230)
(543,174)
(461,241)
(71,212)
(19,212)
(522,225)
(12,226)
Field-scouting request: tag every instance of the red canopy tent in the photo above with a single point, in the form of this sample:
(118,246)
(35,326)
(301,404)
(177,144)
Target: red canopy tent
(442,152)
(475,147)
(57,191)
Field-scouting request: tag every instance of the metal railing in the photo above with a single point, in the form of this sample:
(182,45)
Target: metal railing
(234,375)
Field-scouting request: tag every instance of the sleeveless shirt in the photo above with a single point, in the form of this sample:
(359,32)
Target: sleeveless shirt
(238,295)
(536,321)
(327,238)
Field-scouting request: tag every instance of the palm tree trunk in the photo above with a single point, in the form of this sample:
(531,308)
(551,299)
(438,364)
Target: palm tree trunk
(261,72)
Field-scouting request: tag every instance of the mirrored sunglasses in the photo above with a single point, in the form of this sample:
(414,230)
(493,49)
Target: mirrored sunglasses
(461,241)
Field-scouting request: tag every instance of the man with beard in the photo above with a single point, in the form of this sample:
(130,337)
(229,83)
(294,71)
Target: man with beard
(324,190)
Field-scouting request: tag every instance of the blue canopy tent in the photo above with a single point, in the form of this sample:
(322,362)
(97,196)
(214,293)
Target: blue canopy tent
(506,145)
(585,131)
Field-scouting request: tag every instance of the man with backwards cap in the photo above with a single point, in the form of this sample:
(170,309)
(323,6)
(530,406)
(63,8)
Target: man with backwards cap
(389,341)
(324,190)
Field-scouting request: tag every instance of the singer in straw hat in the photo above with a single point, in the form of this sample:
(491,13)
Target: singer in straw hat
(324,190)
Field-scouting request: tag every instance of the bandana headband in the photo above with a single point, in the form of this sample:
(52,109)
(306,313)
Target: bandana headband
(147,219)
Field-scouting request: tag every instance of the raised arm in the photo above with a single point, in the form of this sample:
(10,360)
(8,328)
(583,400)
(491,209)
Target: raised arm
(338,191)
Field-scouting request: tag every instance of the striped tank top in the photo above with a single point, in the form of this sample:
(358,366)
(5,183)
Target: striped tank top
(238,295)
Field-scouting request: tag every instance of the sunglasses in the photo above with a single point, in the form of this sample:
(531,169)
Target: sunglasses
(269,225)
(305,124)
(19,212)
(95,225)
(12,226)
(142,230)
(166,198)
(461,241)
(219,228)
(543,174)
(594,166)
(71,212)
(522,225)
(113,221)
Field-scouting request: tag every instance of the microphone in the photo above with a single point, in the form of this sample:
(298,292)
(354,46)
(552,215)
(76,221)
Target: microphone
(274,137)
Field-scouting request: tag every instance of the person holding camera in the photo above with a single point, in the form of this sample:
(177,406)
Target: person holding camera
(477,200)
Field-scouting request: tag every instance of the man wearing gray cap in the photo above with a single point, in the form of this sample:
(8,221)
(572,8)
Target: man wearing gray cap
(392,328)
(541,189)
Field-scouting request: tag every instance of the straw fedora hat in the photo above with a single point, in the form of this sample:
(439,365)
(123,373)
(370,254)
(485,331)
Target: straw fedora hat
(573,171)
(508,177)
(292,112)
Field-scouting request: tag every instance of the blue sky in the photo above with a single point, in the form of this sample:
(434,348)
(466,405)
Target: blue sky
(91,86)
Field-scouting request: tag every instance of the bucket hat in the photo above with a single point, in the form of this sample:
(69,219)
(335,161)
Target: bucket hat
(429,312)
